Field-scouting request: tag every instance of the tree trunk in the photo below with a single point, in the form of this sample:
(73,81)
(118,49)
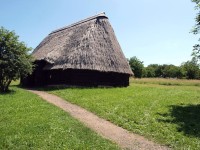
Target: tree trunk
(7,85)
(4,87)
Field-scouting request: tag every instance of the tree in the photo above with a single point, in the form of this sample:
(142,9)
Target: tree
(136,66)
(191,68)
(180,73)
(144,73)
(196,50)
(165,71)
(154,70)
(14,58)
(150,71)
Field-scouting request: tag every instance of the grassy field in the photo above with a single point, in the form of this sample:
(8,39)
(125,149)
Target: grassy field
(163,110)
(27,122)
(168,82)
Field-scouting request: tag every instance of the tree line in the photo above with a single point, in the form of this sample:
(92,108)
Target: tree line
(187,70)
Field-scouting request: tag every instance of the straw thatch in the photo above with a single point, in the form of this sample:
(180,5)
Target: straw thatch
(85,53)
(89,44)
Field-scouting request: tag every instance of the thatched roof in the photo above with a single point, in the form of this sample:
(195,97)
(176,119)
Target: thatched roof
(90,44)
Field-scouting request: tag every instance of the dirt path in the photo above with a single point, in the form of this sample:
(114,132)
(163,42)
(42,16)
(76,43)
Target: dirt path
(120,136)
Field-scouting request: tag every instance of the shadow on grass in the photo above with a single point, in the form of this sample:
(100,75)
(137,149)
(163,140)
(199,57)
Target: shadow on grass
(187,117)
(60,87)
(52,88)
(9,92)
(49,88)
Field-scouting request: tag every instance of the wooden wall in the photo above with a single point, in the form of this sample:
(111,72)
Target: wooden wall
(86,78)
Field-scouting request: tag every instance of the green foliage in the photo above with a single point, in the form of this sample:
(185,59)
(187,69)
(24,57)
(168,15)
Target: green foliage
(28,122)
(165,71)
(163,113)
(136,66)
(172,71)
(150,71)
(157,69)
(144,72)
(14,59)
(196,50)
(191,68)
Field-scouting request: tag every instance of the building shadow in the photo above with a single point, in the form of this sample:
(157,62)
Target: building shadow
(187,117)
(61,87)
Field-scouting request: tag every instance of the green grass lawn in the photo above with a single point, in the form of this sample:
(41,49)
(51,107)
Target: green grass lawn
(28,122)
(166,111)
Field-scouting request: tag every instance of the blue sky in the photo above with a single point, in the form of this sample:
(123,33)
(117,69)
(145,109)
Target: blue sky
(156,31)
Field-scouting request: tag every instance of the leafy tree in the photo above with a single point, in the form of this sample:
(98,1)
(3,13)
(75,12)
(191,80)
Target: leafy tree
(159,71)
(14,59)
(191,69)
(144,72)
(150,71)
(170,71)
(175,72)
(155,70)
(196,50)
(180,73)
(136,66)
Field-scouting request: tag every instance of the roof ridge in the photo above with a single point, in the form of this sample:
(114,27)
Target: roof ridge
(102,14)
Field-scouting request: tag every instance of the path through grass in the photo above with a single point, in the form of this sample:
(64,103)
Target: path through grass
(169,115)
(28,122)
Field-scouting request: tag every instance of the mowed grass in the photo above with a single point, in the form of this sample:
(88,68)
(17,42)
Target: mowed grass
(169,115)
(28,122)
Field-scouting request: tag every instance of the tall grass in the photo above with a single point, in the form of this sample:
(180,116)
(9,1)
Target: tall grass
(163,81)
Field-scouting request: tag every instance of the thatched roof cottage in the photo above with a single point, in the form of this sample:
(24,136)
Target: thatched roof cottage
(85,53)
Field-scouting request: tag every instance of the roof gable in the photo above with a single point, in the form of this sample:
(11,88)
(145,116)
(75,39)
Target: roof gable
(88,44)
